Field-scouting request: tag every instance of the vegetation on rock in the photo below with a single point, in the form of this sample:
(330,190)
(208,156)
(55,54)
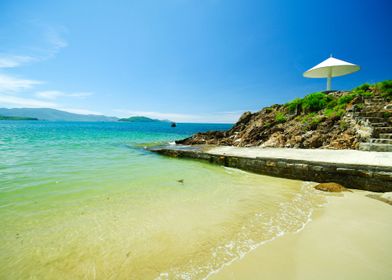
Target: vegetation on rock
(318,120)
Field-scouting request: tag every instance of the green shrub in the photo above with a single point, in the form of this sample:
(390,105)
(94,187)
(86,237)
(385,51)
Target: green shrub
(332,103)
(343,125)
(294,105)
(334,113)
(359,106)
(362,88)
(315,102)
(366,94)
(384,87)
(311,121)
(280,118)
(267,125)
(345,99)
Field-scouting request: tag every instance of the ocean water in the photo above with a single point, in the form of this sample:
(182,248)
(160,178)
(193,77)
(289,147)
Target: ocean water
(86,201)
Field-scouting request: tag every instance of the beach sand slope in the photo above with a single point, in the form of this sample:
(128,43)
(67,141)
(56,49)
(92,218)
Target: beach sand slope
(349,238)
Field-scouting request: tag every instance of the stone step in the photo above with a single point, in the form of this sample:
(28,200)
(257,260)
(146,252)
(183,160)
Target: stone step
(381,141)
(376,114)
(374,119)
(385,129)
(375,147)
(380,124)
(367,103)
(385,135)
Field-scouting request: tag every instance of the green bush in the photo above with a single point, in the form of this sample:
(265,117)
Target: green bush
(332,103)
(294,104)
(267,125)
(384,87)
(311,121)
(345,99)
(315,102)
(334,113)
(344,125)
(280,118)
(362,88)
(359,106)
(366,94)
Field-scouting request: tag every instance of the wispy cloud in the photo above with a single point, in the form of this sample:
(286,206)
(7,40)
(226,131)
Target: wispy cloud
(52,38)
(55,39)
(54,94)
(11,61)
(14,101)
(10,84)
(216,117)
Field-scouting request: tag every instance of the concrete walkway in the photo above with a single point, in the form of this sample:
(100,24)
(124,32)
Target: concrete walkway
(313,155)
(354,169)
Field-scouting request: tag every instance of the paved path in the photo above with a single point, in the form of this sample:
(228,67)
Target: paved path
(314,155)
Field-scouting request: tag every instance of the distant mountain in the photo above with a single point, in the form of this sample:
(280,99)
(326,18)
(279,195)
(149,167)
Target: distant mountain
(140,119)
(53,115)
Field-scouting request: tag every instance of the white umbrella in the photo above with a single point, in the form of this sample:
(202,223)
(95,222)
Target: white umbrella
(329,68)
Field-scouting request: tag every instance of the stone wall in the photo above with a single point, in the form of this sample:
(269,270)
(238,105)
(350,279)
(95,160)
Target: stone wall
(364,177)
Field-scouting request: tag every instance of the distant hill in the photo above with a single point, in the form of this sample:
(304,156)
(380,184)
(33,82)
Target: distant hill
(140,119)
(8,118)
(53,115)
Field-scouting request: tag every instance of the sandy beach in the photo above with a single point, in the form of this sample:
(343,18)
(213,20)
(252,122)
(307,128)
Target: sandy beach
(348,238)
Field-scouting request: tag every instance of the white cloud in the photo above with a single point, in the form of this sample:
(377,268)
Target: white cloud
(9,84)
(13,101)
(11,61)
(216,117)
(54,94)
(20,102)
(55,39)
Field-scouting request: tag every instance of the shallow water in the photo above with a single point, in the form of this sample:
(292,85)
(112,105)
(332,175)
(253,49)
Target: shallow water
(86,201)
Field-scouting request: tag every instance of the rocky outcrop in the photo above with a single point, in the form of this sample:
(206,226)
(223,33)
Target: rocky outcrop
(319,120)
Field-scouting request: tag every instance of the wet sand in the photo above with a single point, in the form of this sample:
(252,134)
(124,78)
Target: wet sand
(349,238)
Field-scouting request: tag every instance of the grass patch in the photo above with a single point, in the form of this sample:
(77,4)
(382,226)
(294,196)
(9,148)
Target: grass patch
(280,118)
(311,120)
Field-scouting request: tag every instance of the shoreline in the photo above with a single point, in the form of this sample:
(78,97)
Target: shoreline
(348,238)
(370,171)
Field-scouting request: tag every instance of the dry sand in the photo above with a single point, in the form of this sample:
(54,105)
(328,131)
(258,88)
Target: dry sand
(349,238)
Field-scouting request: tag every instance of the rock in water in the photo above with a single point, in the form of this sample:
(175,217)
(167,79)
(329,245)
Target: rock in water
(330,187)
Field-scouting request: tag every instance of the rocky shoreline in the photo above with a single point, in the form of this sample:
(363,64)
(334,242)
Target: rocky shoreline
(334,120)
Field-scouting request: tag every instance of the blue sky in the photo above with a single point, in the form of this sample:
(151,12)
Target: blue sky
(191,61)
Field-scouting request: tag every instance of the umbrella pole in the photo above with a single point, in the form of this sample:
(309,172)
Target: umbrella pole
(329,79)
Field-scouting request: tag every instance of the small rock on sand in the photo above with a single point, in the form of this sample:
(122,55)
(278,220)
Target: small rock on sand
(330,187)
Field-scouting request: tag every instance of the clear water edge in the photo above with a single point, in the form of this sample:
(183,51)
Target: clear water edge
(85,200)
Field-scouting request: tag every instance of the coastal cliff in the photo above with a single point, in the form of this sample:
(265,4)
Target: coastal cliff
(356,119)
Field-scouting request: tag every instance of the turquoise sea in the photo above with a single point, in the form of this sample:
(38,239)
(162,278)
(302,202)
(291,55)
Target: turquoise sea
(87,201)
